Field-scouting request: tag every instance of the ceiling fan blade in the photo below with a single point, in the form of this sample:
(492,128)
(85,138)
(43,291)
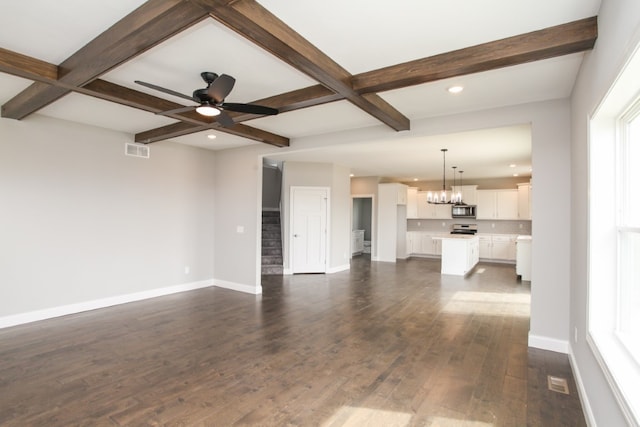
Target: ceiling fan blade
(250,108)
(165,90)
(225,120)
(176,110)
(220,88)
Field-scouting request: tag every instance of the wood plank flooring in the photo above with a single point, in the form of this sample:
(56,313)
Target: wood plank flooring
(380,345)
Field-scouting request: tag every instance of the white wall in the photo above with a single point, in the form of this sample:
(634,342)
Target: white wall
(80,221)
(238,209)
(618,31)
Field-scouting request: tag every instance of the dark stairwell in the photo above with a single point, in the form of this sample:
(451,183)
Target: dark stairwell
(271,243)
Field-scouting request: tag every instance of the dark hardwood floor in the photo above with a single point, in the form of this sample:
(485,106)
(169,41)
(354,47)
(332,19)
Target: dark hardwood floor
(380,345)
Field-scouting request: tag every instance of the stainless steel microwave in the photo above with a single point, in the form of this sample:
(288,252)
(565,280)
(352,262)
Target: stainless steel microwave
(463,211)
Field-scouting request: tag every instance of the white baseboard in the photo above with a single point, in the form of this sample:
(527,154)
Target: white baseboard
(582,392)
(287,272)
(338,269)
(551,344)
(255,290)
(49,313)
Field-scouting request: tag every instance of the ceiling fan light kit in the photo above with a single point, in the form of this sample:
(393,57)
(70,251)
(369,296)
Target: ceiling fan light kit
(208,110)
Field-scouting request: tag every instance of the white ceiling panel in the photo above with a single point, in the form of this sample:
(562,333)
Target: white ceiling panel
(321,119)
(532,82)
(97,112)
(365,35)
(54,30)
(209,46)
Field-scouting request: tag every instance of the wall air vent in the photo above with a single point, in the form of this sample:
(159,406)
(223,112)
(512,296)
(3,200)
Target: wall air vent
(136,150)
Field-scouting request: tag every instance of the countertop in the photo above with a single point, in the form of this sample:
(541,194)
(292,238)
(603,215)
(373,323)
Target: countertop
(455,236)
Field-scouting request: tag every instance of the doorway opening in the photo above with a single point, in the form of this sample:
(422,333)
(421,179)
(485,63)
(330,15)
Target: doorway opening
(362,225)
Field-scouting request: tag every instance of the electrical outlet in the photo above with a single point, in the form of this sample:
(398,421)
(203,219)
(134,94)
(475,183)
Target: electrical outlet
(493,225)
(444,224)
(520,226)
(419,223)
(187,270)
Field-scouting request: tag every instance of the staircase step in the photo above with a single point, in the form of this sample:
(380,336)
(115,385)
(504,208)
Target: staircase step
(272,251)
(272,260)
(271,227)
(271,243)
(270,235)
(272,270)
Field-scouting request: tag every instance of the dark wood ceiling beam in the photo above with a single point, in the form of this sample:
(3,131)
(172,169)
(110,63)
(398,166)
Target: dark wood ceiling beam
(27,67)
(145,27)
(257,24)
(565,39)
(181,129)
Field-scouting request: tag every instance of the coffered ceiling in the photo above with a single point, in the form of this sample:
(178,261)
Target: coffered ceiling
(326,65)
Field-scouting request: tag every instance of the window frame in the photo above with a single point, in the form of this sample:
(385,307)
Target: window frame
(618,359)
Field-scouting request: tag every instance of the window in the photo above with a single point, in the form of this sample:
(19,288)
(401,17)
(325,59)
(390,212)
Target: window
(628,322)
(614,238)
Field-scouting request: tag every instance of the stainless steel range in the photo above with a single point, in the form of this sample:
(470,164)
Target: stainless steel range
(464,229)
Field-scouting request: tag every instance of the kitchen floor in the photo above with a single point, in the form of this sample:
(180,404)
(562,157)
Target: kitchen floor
(380,345)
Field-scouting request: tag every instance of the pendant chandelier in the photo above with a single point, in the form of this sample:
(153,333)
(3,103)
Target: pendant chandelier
(441,198)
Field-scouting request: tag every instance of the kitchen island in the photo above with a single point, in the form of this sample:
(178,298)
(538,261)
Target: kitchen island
(460,253)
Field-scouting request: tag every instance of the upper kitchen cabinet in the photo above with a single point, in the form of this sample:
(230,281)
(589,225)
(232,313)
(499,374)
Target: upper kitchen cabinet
(497,204)
(431,211)
(469,193)
(400,191)
(524,201)
(412,203)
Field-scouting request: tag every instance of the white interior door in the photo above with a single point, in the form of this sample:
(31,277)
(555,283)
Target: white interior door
(309,229)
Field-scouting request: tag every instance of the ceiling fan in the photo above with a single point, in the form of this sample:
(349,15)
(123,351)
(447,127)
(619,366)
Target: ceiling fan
(211,99)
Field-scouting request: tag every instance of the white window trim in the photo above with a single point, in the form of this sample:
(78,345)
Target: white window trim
(620,368)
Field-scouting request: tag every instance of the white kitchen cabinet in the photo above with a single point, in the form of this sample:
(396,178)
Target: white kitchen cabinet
(413,242)
(412,203)
(357,241)
(429,245)
(524,201)
(401,193)
(523,257)
(501,248)
(431,211)
(485,246)
(497,204)
(469,193)
(459,254)
(498,247)
(423,243)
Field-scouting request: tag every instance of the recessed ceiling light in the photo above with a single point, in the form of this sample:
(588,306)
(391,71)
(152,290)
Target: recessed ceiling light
(455,89)
(351,175)
(512,165)
(515,174)
(415,179)
(211,136)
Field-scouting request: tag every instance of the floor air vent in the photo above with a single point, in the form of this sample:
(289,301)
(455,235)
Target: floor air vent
(557,384)
(136,150)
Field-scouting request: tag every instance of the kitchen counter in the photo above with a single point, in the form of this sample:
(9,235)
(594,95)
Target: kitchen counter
(460,253)
(455,236)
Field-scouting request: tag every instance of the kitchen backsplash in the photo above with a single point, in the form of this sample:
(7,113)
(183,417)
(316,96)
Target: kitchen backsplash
(484,226)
